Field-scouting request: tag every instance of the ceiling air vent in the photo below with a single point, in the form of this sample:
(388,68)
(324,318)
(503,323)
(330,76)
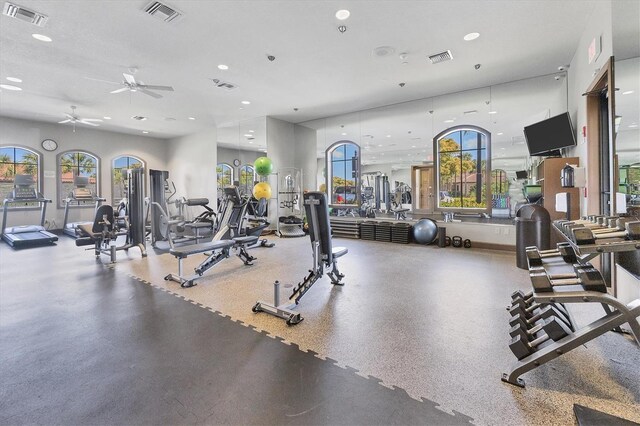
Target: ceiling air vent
(139,117)
(224,84)
(441,57)
(24,14)
(162,11)
(472,111)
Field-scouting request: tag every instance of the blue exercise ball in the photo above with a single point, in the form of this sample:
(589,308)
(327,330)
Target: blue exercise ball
(425,231)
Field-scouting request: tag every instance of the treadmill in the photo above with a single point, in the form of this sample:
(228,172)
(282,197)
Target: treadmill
(27,235)
(79,194)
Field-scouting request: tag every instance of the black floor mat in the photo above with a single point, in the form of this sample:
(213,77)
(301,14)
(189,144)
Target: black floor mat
(96,347)
(590,417)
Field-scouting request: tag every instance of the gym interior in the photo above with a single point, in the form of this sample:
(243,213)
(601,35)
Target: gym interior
(320,212)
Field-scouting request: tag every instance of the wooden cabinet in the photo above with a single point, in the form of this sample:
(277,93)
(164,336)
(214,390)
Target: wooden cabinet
(549,171)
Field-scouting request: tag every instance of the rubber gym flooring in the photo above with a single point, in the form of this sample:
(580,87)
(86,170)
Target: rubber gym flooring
(416,336)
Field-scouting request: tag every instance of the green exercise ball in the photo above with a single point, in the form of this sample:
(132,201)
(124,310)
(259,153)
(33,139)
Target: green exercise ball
(262,190)
(263,166)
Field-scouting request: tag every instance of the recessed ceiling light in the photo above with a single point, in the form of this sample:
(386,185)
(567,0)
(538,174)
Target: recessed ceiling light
(471,36)
(493,112)
(379,144)
(10,87)
(192,118)
(14,79)
(251,131)
(343,134)
(500,133)
(628,92)
(388,136)
(241,108)
(42,37)
(245,102)
(145,132)
(248,135)
(413,146)
(448,121)
(343,14)
(107,118)
(633,126)
(223,67)
(250,141)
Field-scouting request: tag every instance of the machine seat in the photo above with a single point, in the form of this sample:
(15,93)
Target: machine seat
(196,201)
(337,252)
(186,251)
(87,230)
(193,225)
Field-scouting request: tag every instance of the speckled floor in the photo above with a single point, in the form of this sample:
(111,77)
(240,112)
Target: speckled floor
(431,321)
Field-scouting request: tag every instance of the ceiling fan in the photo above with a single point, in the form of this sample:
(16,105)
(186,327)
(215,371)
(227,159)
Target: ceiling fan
(73,118)
(132,85)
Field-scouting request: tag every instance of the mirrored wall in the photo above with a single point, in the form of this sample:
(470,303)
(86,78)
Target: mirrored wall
(396,138)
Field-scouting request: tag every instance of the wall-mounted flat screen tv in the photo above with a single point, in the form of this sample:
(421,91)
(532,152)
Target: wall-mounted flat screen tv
(547,137)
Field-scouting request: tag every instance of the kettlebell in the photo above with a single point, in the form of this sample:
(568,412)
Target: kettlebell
(456,241)
(467,243)
(447,241)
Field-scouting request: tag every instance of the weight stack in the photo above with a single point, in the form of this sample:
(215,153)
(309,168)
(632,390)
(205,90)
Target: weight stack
(383,231)
(401,233)
(368,230)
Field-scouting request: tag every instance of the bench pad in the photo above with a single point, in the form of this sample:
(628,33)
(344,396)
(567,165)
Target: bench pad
(336,252)
(186,251)
(245,240)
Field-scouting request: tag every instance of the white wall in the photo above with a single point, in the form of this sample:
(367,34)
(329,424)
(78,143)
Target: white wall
(106,145)
(305,155)
(191,161)
(581,74)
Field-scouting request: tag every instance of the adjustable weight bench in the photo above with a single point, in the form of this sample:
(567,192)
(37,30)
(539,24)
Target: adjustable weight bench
(220,249)
(324,255)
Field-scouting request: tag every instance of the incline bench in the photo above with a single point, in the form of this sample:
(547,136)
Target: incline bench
(324,255)
(220,250)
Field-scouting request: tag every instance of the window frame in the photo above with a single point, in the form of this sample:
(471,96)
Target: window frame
(230,167)
(329,174)
(242,187)
(436,169)
(84,205)
(40,174)
(113,163)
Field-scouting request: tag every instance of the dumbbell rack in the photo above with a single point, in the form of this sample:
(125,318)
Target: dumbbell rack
(617,314)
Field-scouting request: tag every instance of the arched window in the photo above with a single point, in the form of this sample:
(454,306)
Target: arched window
(246,179)
(462,171)
(15,160)
(343,173)
(118,175)
(225,175)
(77,163)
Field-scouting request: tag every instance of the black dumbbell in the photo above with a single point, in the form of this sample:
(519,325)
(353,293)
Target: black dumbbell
(519,294)
(564,251)
(553,330)
(529,334)
(544,313)
(582,236)
(588,277)
(527,310)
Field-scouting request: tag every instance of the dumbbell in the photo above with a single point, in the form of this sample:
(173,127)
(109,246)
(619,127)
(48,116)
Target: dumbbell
(564,250)
(528,309)
(610,224)
(583,236)
(553,329)
(519,294)
(528,334)
(544,313)
(585,275)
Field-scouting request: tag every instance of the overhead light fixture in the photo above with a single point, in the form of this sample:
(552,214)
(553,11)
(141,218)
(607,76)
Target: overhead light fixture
(192,118)
(343,14)
(633,126)
(251,131)
(42,37)
(628,92)
(500,134)
(107,118)
(245,102)
(448,121)
(223,67)
(145,132)
(493,112)
(471,36)
(248,135)
(343,134)
(14,79)
(413,146)
(10,87)
(380,144)
(342,28)
(388,136)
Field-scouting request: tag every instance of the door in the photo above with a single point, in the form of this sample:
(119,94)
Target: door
(423,196)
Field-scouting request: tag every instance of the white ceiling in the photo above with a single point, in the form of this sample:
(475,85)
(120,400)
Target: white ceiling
(317,69)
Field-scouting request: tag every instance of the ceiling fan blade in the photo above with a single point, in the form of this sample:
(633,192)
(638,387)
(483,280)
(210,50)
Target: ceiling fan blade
(64,121)
(146,86)
(103,81)
(147,92)
(88,123)
(129,78)
(124,89)
(69,116)
(91,119)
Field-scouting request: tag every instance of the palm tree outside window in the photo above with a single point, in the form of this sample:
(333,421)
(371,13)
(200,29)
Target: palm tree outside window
(17,160)
(76,163)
